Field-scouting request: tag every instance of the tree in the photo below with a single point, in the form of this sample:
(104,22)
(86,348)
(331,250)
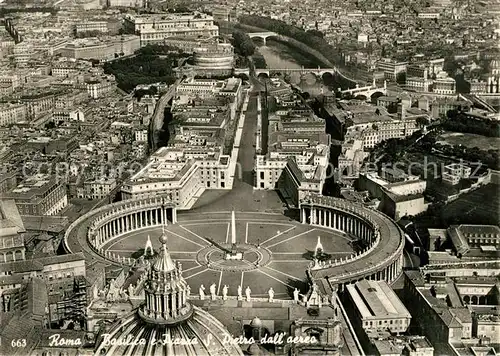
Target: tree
(422,121)
(243,43)
(315,33)
(50,125)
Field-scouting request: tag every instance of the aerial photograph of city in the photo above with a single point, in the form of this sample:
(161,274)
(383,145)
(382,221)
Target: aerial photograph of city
(250,177)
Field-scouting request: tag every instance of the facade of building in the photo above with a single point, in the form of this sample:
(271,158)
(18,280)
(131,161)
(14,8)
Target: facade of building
(173,173)
(141,135)
(98,188)
(444,86)
(154,28)
(400,194)
(465,238)
(105,48)
(127,3)
(91,26)
(39,195)
(12,114)
(399,206)
(391,68)
(11,233)
(375,124)
(99,87)
(8,181)
(453,173)
(418,84)
(378,307)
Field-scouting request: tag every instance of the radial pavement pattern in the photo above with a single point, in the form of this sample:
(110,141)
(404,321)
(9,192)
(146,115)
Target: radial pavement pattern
(276,250)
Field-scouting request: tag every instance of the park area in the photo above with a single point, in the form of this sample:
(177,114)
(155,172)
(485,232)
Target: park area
(469,140)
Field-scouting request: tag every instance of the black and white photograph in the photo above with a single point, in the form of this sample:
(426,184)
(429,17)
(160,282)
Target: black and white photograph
(249,177)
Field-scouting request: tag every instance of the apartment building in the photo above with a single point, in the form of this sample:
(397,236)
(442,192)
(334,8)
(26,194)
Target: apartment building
(453,173)
(39,195)
(12,114)
(444,85)
(91,26)
(461,310)
(391,68)
(97,188)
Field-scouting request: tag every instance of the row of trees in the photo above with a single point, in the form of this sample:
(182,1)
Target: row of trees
(158,49)
(259,61)
(243,44)
(460,122)
(85,34)
(490,157)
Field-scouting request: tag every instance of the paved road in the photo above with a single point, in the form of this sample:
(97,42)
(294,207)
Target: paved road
(242,197)
(158,116)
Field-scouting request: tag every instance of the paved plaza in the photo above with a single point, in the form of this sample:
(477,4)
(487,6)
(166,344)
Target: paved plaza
(276,250)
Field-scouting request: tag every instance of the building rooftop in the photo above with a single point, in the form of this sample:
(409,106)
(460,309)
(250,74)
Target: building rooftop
(375,299)
(10,219)
(31,188)
(39,263)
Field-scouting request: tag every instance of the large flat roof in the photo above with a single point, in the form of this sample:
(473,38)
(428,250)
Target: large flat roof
(375,299)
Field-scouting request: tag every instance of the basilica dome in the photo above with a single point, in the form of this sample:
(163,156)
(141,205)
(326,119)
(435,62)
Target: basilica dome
(167,324)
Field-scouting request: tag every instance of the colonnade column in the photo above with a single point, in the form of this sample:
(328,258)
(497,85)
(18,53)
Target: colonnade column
(164,215)
(174,215)
(174,304)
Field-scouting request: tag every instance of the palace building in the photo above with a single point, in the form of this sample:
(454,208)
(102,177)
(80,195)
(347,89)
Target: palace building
(154,28)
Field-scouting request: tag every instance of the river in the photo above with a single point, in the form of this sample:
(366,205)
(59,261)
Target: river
(279,55)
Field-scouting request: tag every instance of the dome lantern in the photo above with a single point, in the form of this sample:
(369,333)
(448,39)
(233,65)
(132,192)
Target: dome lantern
(166,314)
(165,290)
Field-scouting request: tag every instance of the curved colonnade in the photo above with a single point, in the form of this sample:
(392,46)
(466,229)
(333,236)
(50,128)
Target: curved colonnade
(382,259)
(112,221)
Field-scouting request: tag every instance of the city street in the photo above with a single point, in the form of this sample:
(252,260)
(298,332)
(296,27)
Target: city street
(242,197)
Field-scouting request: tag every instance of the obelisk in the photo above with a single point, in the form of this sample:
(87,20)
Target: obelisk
(233,230)
(234,254)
